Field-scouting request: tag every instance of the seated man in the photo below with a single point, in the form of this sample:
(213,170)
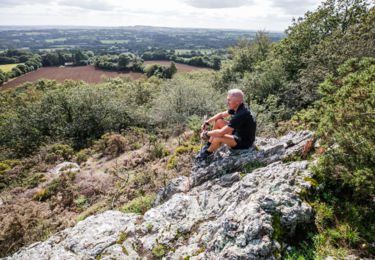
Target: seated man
(238,133)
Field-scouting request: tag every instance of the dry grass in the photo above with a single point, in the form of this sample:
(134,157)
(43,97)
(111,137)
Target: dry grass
(113,178)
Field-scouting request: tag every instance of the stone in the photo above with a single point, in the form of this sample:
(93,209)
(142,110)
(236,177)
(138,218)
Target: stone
(224,215)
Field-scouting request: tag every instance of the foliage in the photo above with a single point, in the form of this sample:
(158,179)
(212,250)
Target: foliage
(58,152)
(319,43)
(94,209)
(158,251)
(251,166)
(75,112)
(159,151)
(161,71)
(186,95)
(346,118)
(123,61)
(186,147)
(139,205)
(111,144)
(343,119)
(245,57)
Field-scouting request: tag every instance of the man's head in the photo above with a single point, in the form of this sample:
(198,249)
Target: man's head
(234,98)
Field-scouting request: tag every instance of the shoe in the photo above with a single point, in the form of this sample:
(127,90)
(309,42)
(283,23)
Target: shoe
(202,156)
(206,146)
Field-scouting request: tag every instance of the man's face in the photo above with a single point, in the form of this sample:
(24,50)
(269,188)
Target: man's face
(232,102)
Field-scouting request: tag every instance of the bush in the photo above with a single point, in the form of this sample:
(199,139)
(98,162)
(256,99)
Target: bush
(139,205)
(75,112)
(111,144)
(343,119)
(158,251)
(346,118)
(186,95)
(58,152)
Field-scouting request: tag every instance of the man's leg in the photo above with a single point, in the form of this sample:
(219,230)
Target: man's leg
(215,142)
(220,123)
(218,141)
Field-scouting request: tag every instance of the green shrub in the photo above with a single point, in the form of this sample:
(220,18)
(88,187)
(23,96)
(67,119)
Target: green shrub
(186,147)
(111,144)
(346,118)
(158,251)
(83,155)
(158,150)
(58,152)
(186,95)
(139,205)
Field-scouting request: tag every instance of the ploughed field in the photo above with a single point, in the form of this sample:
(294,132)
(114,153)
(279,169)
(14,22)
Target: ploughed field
(85,73)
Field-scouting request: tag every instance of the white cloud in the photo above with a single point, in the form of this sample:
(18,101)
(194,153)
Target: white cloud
(295,7)
(98,5)
(236,14)
(12,3)
(213,4)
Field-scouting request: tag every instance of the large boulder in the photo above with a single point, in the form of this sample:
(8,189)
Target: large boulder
(226,160)
(223,216)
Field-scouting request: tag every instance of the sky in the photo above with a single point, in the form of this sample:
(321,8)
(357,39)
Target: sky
(268,15)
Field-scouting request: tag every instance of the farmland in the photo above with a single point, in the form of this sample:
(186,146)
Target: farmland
(136,39)
(86,73)
(8,67)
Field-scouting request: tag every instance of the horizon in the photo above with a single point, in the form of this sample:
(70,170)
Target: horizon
(248,15)
(127,26)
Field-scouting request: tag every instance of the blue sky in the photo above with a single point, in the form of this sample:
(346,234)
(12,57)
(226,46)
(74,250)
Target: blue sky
(269,15)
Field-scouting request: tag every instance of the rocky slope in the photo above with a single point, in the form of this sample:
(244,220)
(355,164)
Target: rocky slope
(219,212)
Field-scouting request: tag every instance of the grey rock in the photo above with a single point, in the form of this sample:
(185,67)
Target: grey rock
(64,167)
(179,184)
(227,160)
(86,240)
(221,216)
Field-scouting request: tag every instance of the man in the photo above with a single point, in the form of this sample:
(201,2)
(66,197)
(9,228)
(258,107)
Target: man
(238,133)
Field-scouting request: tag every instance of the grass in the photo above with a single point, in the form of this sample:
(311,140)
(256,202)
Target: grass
(8,67)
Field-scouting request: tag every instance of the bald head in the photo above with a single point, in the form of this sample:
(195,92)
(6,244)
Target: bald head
(237,94)
(234,98)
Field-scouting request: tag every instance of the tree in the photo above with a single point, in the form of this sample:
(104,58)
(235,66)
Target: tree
(79,57)
(172,69)
(16,72)
(318,44)
(123,61)
(50,59)
(22,68)
(216,63)
(2,77)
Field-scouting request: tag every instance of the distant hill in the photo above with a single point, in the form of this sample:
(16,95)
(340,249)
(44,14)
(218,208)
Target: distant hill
(120,39)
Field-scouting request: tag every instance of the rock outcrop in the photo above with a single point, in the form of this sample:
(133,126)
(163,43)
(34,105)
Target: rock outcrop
(220,212)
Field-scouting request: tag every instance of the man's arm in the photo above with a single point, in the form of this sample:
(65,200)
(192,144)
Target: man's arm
(218,116)
(219,132)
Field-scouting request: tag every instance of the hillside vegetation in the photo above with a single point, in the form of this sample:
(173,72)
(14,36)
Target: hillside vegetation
(321,76)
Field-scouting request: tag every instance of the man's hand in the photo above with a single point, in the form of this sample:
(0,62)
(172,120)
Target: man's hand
(204,126)
(204,135)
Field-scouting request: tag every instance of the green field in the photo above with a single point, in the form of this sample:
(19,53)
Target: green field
(8,67)
(114,41)
(185,51)
(56,40)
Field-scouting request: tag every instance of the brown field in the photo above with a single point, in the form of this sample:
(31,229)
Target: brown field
(85,73)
